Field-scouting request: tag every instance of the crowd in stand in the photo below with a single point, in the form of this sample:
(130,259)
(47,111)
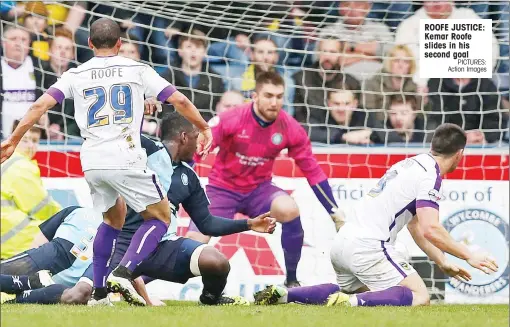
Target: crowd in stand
(350,68)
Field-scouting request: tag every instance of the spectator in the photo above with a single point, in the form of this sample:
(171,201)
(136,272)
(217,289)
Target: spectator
(264,57)
(192,77)
(391,12)
(472,104)
(61,117)
(25,201)
(395,77)
(130,48)
(365,41)
(17,75)
(11,10)
(344,116)
(35,21)
(403,126)
(409,29)
(84,13)
(310,101)
(229,100)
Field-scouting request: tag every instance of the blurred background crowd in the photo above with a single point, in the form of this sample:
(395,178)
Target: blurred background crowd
(351,68)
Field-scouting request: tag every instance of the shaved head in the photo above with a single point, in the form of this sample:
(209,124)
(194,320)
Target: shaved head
(104,33)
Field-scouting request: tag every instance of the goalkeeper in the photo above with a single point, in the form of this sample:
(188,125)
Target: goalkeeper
(250,138)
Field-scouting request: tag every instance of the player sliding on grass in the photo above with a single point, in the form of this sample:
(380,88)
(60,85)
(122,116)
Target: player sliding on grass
(175,259)
(250,138)
(108,92)
(363,253)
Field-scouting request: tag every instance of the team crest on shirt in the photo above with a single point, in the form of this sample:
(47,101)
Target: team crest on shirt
(405,266)
(435,195)
(184,179)
(32,76)
(214,121)
(481,231)
(277,138)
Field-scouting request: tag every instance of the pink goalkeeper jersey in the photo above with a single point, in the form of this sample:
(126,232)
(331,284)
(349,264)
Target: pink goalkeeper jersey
(248,150)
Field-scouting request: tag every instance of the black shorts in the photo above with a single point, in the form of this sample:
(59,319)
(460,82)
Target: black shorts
(170,261)
(54,256)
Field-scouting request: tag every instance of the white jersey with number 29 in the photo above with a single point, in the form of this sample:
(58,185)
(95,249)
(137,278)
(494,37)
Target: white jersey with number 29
(409,184)
(109,95)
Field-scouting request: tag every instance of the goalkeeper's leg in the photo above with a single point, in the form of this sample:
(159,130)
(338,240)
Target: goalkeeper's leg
(268,197)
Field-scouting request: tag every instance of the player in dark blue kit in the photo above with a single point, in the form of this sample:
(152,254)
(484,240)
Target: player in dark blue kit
(178,259)
(65,251)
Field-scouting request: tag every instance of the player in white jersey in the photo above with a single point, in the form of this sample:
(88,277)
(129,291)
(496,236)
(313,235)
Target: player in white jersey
(363,253)
(108,92)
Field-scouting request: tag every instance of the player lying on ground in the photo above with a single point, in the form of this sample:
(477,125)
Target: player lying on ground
(175,259)
(363,253)
(250,138)
(108,92)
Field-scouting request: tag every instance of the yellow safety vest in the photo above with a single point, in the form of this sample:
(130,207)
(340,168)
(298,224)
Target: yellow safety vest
(25,204)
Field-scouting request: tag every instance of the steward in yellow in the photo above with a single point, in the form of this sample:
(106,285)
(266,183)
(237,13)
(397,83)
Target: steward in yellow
(25,202)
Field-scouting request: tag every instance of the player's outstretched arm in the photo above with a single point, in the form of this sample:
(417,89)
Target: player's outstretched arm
(435,254)
(186,108)
(430,250)
(435,233)
(300,149)
(35,112)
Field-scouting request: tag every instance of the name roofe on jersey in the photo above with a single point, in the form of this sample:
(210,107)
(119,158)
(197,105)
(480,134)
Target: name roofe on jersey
(107,72)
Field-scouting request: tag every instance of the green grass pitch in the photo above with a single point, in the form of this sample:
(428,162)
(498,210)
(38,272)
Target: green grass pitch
(188,314)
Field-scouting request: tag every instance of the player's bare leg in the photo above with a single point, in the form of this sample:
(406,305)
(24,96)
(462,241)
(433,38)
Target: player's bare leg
(214,268)
(144,242)
(77,295)
(410,291)
(285,210)
(104,245)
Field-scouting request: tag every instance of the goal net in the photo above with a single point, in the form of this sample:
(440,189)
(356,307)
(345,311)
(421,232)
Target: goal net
(351,75)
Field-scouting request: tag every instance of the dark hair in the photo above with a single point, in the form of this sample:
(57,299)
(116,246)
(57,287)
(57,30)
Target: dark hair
(173,124)
(448,139)
(104,33)
(195,36)
(33,129)
(404,99)
(268,77)
(263,37)
(344,85)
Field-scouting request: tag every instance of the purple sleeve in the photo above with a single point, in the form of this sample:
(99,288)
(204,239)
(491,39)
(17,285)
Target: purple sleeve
(56,94)
(427,204)
(166,93)
(324,193)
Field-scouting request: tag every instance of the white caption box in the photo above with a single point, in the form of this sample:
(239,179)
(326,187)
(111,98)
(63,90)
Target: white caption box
(455,48)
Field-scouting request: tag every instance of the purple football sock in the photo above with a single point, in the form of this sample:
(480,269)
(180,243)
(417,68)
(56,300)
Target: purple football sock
(292,243)
(104,246)
(144,242)
(316,294)
(395,296)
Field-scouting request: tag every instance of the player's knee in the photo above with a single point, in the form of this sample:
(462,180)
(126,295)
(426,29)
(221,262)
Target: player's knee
(284,209)
(116,215)
(78,295)
(213,262)
(160,211)
(421,298)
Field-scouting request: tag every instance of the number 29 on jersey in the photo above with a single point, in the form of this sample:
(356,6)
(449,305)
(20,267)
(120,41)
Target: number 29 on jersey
(118,98)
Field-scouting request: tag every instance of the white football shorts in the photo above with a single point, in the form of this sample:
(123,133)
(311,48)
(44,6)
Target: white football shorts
(139,188)
(372,263)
